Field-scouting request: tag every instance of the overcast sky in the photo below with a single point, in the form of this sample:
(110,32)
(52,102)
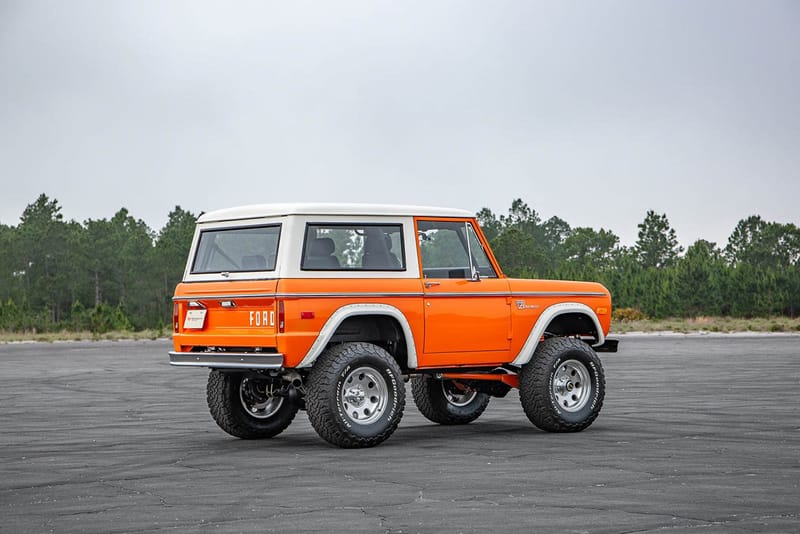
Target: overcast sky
(592,111)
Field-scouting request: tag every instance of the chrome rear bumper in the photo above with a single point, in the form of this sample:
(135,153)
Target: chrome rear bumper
(227,360)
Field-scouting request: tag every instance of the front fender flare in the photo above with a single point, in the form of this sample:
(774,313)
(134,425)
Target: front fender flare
(526,352)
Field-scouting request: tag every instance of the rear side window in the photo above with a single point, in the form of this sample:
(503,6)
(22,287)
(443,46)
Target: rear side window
(353,247)
(235,250)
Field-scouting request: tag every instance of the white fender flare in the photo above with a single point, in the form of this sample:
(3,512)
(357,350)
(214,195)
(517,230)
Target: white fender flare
(350,310)
(526,352)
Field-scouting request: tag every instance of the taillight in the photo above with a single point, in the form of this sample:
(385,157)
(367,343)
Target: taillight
(281,317)
(175,316)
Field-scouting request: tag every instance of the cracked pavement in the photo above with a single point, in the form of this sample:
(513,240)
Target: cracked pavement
(698,433)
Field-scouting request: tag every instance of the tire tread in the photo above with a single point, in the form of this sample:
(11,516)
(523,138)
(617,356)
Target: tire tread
(230,417)
(534,386)
(432,404)
(322,380)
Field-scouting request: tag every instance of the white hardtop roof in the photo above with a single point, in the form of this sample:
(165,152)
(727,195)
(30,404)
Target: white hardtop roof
(257,211)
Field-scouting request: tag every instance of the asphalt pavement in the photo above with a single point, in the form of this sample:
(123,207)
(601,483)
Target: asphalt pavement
(697,434)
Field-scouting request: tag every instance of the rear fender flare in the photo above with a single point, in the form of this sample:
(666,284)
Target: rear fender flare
(350,310)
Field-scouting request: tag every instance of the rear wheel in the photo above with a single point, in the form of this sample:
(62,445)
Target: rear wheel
(447,402)
(355,395)
(246,407)
(563,386)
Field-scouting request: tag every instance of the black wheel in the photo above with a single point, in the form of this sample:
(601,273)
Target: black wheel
(562,387)
(447,402)
(246,407)
(355,395)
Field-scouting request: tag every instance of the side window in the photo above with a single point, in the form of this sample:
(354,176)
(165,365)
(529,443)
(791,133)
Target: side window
(452,250)
(353,247)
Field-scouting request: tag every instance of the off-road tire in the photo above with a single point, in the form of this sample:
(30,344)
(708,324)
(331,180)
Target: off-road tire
(226,404)
(563,386)
(355,395)
(433,403)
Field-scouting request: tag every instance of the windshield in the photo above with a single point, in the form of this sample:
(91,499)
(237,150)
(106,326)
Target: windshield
(249,249)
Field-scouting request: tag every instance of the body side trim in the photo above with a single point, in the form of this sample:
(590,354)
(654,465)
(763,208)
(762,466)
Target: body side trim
(391,294)
(526,352)
(541,294)
(228,296)
(475,294)
(352,310)
(558,294)
(348,295)
(298,295)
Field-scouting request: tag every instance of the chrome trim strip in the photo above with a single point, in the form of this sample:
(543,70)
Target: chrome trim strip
(227,360)
(542,294)
(226,296)
(298,295)
(434,294)
(347,295)
(356,294)
(558,294)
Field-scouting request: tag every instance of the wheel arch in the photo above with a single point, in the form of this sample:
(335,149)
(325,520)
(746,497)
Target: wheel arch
(357,311)
(563,317)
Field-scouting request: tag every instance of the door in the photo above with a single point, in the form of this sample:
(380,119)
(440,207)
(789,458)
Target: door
(467,307)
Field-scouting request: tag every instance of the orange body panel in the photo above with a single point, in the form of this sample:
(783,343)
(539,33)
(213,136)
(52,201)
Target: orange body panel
(538,295)
(453,322)
(322,297)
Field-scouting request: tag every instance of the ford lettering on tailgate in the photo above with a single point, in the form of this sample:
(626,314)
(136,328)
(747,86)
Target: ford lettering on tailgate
(262,318)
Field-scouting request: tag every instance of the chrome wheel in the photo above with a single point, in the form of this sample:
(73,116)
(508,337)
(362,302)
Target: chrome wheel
(258,399)
(571,386)
(364,395)
(455,396)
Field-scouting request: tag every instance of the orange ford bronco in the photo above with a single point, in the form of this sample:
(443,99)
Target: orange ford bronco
(330,308)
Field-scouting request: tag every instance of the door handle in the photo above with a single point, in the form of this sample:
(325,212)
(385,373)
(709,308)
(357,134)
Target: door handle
(428,285)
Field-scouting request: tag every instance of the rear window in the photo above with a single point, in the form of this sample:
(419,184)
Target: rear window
(353,247)
(235,250)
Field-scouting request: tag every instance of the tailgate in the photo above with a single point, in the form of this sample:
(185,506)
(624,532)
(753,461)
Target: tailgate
(237,314)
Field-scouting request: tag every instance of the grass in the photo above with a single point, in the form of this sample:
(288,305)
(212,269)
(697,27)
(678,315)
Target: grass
(708,324)
(64,335)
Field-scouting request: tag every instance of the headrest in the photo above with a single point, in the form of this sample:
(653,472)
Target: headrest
(322,246)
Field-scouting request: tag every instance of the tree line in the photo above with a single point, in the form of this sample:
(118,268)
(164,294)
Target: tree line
(118,274)
(101,275)
(755,274)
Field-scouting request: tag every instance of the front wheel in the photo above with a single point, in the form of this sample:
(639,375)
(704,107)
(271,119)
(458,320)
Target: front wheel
(355,395)
(447,402)
(563,386)
(248,408)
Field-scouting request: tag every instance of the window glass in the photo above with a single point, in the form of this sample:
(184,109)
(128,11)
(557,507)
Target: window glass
(362,247)
(479,256)
(237,250)
(451,250)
